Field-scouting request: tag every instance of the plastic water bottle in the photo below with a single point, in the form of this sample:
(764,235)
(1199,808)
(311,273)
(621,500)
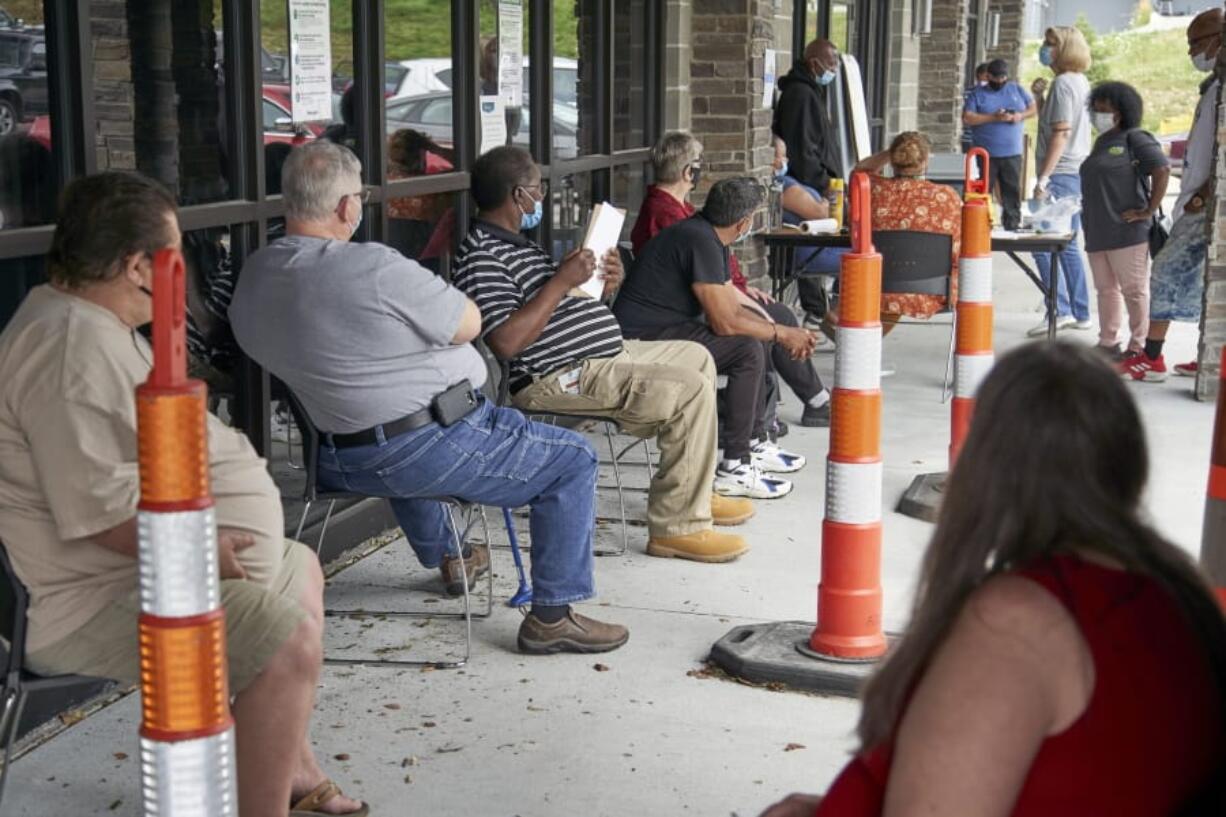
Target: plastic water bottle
(836,207)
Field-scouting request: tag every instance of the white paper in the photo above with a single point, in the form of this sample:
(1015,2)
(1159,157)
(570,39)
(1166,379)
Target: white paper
(493,123)
(510,53)
(819,226)
(310,52)
(768,78)
(604,230)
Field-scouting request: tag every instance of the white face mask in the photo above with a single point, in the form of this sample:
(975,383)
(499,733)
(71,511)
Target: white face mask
(1103,122)
(1203,62)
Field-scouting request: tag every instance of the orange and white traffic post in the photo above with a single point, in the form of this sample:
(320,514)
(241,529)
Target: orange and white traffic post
(186,734)
(1213,543)
(849,594)
(973,352)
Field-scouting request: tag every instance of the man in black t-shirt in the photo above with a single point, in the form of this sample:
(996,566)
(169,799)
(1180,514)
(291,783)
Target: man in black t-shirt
(681,289)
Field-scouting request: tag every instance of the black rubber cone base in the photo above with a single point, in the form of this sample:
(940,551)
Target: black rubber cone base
(772,653)
(923,499)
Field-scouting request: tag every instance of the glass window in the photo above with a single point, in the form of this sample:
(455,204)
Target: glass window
(277,87)
(629,188)
(422,227)
(27,168)
(630,71)
(493,75)
(575,78)
(571,197)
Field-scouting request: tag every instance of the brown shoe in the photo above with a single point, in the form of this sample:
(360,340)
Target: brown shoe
(730,510)
(475,565)
(575,633)
(702,546)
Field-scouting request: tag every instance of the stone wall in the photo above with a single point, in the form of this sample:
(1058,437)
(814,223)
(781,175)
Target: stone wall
(943,55)
(677,32)
(114,103)
(729,40)
(902,83)
(1213,307)
(1012,19)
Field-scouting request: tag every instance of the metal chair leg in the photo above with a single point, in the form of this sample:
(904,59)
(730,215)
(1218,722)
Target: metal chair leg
(651,471)
(621,496)
(302,522)
(323,530)
(946,391)
(10,720)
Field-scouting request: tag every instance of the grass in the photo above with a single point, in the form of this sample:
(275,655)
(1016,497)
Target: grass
(1154,62)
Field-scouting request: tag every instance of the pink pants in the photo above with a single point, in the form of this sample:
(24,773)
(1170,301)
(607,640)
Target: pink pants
(1121,278)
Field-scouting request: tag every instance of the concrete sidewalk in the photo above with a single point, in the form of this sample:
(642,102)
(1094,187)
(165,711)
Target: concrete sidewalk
(635,732)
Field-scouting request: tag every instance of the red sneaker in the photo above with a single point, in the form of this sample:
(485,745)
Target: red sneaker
(1140,367)
(1186,369)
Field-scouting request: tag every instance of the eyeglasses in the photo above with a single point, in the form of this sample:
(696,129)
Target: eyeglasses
(363,195)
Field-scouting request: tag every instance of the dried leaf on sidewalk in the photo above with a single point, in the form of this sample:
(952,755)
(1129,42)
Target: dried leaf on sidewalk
(391,706)
(341,756)
(600,668)
(121,755)
(792,747)
(448,749)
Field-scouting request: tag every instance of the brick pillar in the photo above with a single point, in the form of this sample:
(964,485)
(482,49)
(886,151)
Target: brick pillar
(1009,48)
(729,41)
(943,55)
(902,82)
(114,103)
(1213,307)
(677,48)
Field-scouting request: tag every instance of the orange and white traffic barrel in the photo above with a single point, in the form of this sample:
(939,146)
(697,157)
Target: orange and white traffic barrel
(973,188)
(973,353)
(186,734)
(849,595)
(1213,543)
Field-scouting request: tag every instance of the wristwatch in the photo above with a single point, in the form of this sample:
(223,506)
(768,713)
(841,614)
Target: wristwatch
(1197,201)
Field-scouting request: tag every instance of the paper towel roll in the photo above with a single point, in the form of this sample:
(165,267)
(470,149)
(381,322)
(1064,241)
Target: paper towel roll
(819,225)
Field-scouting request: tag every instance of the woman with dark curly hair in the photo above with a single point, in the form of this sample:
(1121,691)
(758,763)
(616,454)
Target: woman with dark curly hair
(1123,181)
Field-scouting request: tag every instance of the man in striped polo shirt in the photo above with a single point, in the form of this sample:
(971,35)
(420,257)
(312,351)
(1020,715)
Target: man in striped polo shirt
(567,354)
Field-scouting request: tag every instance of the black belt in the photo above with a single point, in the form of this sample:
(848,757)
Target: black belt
(370,436)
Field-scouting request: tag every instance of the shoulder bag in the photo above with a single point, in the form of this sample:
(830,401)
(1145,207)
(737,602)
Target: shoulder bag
(1158,233)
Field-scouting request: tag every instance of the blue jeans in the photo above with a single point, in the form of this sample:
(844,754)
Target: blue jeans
(1073,273)
(494,456)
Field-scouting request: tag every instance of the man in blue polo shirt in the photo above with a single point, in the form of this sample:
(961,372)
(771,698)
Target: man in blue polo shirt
(994,113)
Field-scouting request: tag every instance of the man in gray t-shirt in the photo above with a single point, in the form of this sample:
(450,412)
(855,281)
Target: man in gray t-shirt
(377,349)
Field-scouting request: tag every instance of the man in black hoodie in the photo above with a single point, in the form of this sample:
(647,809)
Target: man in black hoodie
(802,122)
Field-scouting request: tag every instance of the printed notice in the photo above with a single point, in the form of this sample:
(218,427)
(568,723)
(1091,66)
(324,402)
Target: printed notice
(511,53)
(310,52)
(493,122)
(768,77)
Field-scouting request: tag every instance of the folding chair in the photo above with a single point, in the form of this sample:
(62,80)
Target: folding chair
(19,682)
(918,262)
(611,428)
(470,512)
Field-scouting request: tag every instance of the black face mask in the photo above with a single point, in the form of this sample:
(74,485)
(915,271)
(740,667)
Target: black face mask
(997,84)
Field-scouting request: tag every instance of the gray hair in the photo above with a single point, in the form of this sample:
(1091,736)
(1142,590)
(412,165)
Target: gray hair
(730,200)
(315,177)
(675,151)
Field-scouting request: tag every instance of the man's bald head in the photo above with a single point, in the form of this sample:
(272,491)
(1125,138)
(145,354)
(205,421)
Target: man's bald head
(1205,33)
(821,56)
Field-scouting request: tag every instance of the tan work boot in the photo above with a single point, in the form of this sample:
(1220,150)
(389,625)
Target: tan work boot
(700,546)
(730,510)
(575,633)
(476,564)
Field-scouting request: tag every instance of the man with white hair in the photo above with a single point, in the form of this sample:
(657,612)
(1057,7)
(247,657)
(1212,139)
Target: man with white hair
(377,348)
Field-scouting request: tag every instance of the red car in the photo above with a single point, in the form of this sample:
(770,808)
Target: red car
(275,112)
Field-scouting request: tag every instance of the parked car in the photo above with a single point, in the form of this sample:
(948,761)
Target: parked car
(23,76)
(7,20)
(431,114)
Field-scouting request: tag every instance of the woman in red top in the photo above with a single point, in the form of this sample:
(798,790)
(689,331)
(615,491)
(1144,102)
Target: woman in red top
(1062,659)
(677,162)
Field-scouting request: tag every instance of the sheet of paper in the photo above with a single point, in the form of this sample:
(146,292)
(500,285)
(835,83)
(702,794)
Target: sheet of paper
(310,51)
(493,122)
(604,230)
(768,78)
(510,52)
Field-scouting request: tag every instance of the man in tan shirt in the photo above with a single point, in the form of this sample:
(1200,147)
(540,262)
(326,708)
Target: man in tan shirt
(70,361)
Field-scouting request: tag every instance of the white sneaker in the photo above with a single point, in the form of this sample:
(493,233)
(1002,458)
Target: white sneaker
(1082,326)
(771,458)
(747,480)
(1062,322)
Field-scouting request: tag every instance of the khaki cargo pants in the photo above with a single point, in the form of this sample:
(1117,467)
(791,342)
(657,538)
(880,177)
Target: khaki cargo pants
(662,389)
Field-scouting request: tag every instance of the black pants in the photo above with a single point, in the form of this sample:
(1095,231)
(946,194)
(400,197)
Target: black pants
(800,375)
(743,360)
(1006,171)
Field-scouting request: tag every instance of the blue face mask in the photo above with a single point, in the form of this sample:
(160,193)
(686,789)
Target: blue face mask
(826,78)
(530,221)
(1045,55)
(783,170)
